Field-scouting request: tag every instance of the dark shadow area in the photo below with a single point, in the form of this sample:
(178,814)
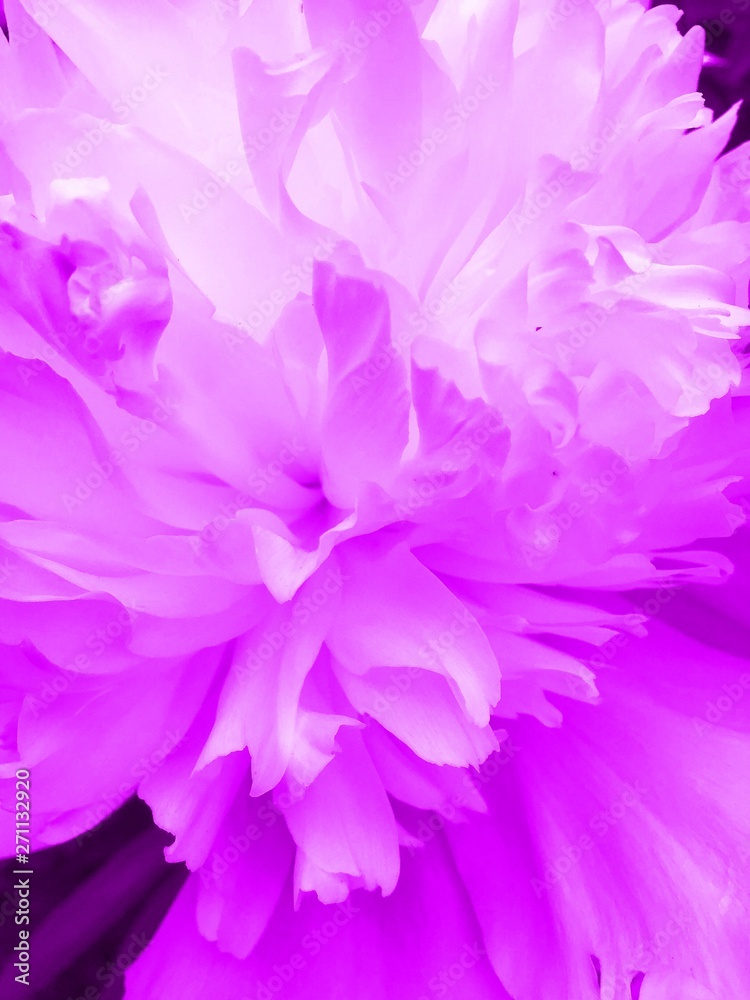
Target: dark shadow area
(95,902)
(726,76)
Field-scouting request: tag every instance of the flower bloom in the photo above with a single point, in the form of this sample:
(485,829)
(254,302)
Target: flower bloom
(374,434)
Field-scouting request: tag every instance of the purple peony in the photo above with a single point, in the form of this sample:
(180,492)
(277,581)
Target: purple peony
(374,440)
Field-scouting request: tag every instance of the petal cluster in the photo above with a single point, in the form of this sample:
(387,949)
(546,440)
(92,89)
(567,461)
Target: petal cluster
(372,383)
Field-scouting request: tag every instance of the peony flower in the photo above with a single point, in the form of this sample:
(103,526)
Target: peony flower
(374,438)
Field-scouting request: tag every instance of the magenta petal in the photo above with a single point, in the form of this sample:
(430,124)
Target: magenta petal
(374,489)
